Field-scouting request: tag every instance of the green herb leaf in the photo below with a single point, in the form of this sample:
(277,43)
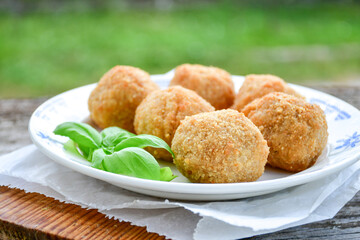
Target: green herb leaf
(142,141)
(108,150)
(70,146)
(166,174)
(85,151)
(81,133)
(133,161)
(97,159)
(112,136)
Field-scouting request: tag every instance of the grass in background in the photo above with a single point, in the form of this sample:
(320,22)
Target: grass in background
(44,54)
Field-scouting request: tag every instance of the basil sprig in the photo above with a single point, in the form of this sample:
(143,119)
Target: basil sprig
(116,150)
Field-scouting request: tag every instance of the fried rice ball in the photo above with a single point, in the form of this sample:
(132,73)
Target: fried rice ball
(255,86)
(219,147)
(114,100)
(211,83)
(296,131)
(161,112)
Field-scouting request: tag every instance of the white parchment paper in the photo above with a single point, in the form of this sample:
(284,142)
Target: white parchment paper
(28,169)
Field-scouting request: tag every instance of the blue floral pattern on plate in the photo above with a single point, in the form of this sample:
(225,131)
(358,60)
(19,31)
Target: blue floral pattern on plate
(349,142)
(329,108)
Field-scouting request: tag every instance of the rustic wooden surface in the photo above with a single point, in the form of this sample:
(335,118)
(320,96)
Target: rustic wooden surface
(25,215)
(34,216)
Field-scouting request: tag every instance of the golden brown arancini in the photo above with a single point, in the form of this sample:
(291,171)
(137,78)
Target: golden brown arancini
(256,86)
(296,131)
(114,100)
(160,113)
(211,83)
(219,147)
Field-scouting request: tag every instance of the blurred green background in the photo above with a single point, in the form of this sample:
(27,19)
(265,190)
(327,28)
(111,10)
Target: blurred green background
(47,47)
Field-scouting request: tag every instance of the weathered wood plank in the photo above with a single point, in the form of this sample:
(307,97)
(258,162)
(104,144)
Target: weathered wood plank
(14,119)
(26,215)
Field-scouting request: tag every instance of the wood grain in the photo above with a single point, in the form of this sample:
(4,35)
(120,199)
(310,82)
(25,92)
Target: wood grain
(34,216)
(26,215)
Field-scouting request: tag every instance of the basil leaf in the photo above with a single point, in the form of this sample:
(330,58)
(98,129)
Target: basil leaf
(134,162)
(81,133)
(166,174)
(86,152)
(90,155)
(112,136)
(108,150)
(144,140)
(70,146)
(97,159)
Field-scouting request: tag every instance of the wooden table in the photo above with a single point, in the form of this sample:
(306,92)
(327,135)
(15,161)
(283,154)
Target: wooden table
(34,216)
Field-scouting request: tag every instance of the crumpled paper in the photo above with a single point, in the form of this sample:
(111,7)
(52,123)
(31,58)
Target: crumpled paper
(28,169)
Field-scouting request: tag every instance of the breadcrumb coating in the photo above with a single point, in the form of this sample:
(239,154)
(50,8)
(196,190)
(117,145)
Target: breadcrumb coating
(256,86)
(211,83)
(161,111)
(296,131)
(219,147)
(114,100)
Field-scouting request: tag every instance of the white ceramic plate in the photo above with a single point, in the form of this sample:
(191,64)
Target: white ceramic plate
(343,148)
